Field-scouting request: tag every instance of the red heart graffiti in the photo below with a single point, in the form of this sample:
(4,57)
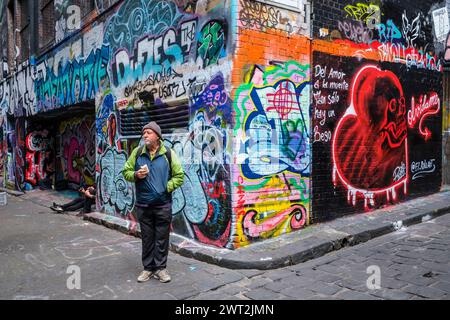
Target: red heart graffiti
(370,153)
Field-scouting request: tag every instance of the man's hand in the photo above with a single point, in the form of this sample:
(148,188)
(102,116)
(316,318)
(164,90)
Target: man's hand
(88,194)
(141,173)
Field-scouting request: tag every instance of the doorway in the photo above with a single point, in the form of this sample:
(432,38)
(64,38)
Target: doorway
(60,149)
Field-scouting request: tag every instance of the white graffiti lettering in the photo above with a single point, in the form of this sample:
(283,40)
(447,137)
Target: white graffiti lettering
(421,168)
(399,172)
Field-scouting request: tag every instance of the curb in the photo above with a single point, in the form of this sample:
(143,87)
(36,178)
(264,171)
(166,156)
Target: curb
(12,192)
(312,252)
(300,246)
(111,223)
(226,258)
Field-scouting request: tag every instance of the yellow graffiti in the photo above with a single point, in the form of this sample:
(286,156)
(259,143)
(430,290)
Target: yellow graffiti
(367,13)
(276,188)
(271,217)
(269,210)
(78,164)
(73,122)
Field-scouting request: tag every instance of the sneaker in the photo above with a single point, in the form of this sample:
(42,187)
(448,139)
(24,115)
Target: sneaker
(80,214)
(58,209)
(162,275)
(145,276)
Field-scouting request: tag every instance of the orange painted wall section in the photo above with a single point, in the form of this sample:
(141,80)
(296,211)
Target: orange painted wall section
(270,92)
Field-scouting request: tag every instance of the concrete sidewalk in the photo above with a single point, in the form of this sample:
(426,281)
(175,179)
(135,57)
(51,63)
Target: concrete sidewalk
(312,242)
(316,240)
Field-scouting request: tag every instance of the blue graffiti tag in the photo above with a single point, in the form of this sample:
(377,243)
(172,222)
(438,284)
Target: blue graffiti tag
(152,54)
(79,80)
(136,18)
(105,109)
(278,138)
(116,194)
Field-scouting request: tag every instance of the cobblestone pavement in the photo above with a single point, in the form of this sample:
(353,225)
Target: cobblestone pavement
(39,251)
(413,263)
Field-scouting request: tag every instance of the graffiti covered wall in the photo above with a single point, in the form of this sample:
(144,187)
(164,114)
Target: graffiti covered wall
(377,106)
(170,57)
(280,121)
(202,205)
(76,158)
(272,78)
(175,52)
(38,155)
(17,96)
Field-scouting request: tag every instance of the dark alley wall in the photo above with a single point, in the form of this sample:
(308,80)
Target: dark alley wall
(377,103)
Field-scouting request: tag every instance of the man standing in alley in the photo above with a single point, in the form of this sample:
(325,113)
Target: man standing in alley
(157,172)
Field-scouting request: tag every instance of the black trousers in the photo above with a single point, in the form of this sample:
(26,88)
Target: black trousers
(155,231)
(78,203)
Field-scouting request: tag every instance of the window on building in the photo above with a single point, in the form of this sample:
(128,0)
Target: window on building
(12,25)
(24,29)
(297,5)
(86,6)
(3,43)
(46,24)
(70,16)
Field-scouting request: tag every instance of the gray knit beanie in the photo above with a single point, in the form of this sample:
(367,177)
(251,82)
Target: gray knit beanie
(154,126)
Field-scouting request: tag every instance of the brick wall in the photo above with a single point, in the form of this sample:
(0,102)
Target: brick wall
(372,132)
(10,34)
(46,23)
(377,100)
(271,83)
